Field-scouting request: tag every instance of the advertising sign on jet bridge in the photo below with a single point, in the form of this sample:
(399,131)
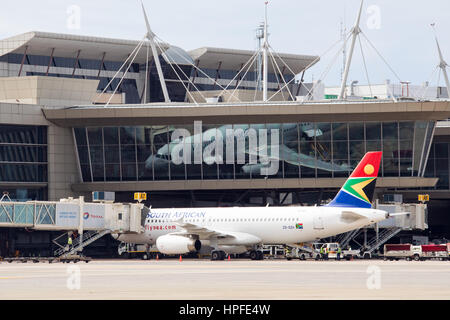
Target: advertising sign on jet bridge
(67,215)
(94,216)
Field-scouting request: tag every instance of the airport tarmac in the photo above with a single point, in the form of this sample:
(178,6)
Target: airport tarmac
(236,279)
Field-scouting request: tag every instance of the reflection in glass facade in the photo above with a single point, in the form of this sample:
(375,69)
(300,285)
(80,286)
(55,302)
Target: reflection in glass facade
(305,150)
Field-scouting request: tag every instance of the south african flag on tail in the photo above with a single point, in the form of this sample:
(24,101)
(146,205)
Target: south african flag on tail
(358,190)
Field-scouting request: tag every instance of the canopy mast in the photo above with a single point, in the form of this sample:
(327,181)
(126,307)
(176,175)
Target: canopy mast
(442,64)
(355,32)
(265,64)
(151,38)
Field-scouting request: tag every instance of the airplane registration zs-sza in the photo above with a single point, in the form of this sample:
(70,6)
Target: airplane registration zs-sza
(245,229)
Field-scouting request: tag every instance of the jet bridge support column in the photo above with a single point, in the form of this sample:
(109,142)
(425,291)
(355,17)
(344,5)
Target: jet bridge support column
(80,226)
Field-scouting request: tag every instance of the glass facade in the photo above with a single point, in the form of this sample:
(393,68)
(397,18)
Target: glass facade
(247,81)
(176,76)
(438,165)
(128,86)
(249,151)
(175,88)
(23,153)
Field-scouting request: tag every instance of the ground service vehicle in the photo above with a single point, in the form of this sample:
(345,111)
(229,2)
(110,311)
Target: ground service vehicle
(301,252)
(132,250)
(411,252)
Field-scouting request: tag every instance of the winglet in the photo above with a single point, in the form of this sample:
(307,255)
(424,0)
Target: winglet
(358,190)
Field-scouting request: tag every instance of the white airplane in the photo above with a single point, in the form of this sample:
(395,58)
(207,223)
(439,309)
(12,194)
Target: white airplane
(245,229)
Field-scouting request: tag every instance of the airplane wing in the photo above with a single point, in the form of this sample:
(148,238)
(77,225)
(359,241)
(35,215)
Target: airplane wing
(202,232)
(224,238)
(351,216)
(294,158)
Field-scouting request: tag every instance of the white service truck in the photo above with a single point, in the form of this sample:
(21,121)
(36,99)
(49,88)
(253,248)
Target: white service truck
(132,250)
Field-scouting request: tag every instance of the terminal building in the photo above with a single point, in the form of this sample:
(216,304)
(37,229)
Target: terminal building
(58,139)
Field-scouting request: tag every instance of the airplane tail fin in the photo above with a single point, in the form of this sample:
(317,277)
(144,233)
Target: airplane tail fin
(358,190)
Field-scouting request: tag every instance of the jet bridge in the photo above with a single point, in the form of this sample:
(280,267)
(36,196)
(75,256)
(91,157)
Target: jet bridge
(89,221)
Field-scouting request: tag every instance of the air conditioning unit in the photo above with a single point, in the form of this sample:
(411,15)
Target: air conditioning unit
(103,196)
(393,198)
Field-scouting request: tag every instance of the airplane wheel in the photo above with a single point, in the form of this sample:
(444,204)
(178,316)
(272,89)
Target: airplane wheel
(216,255)
(253,255)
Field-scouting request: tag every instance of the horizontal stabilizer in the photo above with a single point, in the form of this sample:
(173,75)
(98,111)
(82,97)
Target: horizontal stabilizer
(352,216)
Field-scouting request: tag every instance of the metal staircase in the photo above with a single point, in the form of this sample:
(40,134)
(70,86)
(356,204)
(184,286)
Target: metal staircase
(88,238)
(383,237)
(347,237)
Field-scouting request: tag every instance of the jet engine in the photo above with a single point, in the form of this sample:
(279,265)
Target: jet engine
(172,244)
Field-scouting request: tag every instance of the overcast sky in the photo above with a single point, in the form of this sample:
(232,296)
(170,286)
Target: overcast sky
(400,29)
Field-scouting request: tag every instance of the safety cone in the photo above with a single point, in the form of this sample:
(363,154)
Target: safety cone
(229,257)
(181,259)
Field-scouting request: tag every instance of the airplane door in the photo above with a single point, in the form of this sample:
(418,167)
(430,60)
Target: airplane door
(318,223)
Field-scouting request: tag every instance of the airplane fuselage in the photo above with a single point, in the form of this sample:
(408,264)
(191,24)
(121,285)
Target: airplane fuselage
(263,225)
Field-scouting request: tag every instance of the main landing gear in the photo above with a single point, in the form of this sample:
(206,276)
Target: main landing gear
(218,255)
(256,255)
